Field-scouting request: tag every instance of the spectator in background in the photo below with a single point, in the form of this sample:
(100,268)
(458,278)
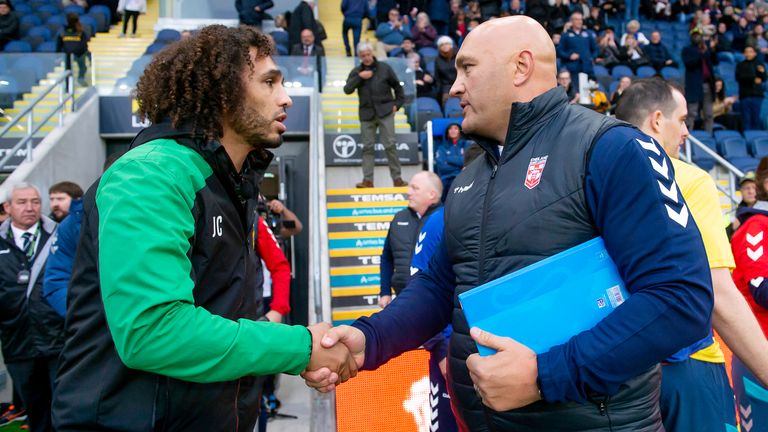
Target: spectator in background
(58,269)
(31,332)
(757,40)
(3,214)
(354,11)
(281,25)
(658,54)
(424,191)
(740,32)
(303,17)
(722,106)
(559,11)
(761,179)
(634,54)
(131,9)
(728,17)
(700,60)
(375,83)
(458,27)
(423,33)
(564,80)
(252,12)
(408,48)
(310,52)
(449,158)
(516,8)
(9,23)
(723,38)
(750,74)
(704,26)
(633,29)
(445,67)
(748,190)
(290,225)
(595,21)
(60,196)
(72,40)
(577,47)
(473,10)
(556,37)
(490,8)
(624,84)
(609,54)
(439,13)
(538,10)
(424,80)
(390,34)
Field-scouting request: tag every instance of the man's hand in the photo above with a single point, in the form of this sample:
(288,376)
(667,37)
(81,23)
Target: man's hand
(274,316)
(760,68)
(275,206)
(505,380)
(574,56)
(669,62)
(758,81)
(366,74)
(348,338)
(384,301)
(335,358)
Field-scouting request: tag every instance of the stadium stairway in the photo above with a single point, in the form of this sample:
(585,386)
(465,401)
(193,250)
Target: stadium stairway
(358,221)
(340,110)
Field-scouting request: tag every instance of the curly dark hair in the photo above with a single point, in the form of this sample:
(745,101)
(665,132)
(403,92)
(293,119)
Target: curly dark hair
(196,82)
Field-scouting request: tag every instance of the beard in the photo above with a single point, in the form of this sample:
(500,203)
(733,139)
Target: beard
(254,127)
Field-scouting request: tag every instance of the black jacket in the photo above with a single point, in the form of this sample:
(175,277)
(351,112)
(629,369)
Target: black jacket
(298,50)
(29,327)
(694,75)
(9,27)
(493,233)
(445,73)
(248,15)
(95,390)
(301,18)
(375,93)
(746,72)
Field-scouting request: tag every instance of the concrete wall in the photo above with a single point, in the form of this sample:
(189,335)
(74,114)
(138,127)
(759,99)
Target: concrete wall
(73,152)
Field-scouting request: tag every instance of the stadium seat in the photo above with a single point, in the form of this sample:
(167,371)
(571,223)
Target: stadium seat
(702,158)
(18,47)
(27,22)
(59,20)
(395,52)
(73,8)
(429,54)
(440,124)
(709,142)
(453,107)
(726,57)
(670,73)
(722,135)
(600,71)
(760,147)
(101,20)
(46,11)
(751,135)
(727,71)
(427,109)
(101,9)
(40,31)
(168,36)
(734,149)
(612,88)
(89,24)
(22,9)
(621,71)
(645,72)
(155,48)
(282,50)
(46,47)
(281,39)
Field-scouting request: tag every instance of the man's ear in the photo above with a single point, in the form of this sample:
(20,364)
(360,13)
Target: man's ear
(655,121)
(524,67)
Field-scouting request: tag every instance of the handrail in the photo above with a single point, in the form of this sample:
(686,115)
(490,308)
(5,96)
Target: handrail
(28,112)
(734,174)
(430,147)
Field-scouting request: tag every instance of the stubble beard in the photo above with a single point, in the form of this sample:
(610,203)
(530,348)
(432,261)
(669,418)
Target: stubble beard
(254,128)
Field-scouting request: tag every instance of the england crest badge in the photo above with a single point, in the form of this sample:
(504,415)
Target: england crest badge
(535,169)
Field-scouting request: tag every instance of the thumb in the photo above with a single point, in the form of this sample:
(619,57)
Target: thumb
(489,340)
(331,338)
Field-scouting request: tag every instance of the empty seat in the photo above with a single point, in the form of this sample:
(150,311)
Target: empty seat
(427,109)
(722,135)
(600,71)
(702,158)
(760,147)
(670,73)
(18,47)
(90,24)
(168,36)
(733,147)
(73,8)
(621,71)
(453,107)
(751,135)
(101,9)
(40,31)
(645,71)
(46,47)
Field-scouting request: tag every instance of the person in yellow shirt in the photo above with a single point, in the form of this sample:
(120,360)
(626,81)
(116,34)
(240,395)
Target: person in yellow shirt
(696,394)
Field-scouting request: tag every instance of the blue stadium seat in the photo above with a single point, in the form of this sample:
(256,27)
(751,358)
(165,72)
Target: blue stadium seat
(726,57)
(760,147)
(701,133)
(453,107)
(101,9)
(439,125)
(73,8)
(27,22)
(727,71)
(46,47)
(40,31)
(752,135)
(101,20)
(429,54)
(46,11)
(734,149)
(395,52)
(722,135)
(670,73)
(600,71)
(281,39)
(621,71)
(155,47)
(645,72)
(282,50)
(89,24)
(57,19)
(709,142)
(427,109)
(18,47)
(168,36)
(738,57)
(702,158)
(22,9)
(612,88)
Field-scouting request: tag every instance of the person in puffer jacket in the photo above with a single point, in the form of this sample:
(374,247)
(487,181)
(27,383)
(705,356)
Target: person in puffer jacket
(449,158)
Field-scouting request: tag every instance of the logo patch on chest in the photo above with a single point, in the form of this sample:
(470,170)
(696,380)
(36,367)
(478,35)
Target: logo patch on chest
(535,169)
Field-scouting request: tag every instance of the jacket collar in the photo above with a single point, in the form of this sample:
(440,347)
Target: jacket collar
(524,121)
(47,225)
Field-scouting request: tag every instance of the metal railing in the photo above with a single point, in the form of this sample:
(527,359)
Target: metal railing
(65,84)
(734,174)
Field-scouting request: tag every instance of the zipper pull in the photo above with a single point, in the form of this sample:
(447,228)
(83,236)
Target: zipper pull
(601,407)
(495,168)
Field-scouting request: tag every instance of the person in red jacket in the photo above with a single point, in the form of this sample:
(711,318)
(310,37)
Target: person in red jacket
(750,250)
(279,273)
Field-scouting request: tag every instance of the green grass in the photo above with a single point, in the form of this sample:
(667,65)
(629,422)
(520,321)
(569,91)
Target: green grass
(12,427)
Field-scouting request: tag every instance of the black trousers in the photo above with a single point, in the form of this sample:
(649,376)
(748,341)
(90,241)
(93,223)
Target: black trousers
(33,380)
(132,15)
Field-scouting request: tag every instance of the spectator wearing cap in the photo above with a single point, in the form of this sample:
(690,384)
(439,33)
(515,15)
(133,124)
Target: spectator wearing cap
(423,33)
(9,23)
(390,34)
(445,67)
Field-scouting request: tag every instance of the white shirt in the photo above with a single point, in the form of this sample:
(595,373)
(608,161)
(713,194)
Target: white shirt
(18,233)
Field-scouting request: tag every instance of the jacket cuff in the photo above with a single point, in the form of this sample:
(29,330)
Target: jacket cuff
(555,378)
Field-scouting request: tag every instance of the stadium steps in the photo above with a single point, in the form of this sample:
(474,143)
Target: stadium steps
(113,56)
(358,220)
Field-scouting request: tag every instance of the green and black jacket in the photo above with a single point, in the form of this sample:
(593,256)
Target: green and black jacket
(165,291)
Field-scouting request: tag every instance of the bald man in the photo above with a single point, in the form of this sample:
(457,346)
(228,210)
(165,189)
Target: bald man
(553,176)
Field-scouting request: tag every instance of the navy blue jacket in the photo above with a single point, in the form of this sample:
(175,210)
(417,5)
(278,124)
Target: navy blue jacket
(653,254)
(354,8)
(657,53)
(583,44)
(694,77)
(58,269)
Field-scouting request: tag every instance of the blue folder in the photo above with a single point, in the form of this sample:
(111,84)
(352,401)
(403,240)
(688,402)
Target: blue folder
(547,303)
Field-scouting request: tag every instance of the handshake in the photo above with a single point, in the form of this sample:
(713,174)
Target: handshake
(337,354)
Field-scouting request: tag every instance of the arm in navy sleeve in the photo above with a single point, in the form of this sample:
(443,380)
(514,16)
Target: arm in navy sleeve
(386,269)
(424,307)
(658,250)
(58,267)
(760,293)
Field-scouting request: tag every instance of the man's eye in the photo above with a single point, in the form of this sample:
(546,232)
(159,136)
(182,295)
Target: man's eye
(270,82)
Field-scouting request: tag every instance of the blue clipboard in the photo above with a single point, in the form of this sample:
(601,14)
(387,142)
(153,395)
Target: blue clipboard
(547,303)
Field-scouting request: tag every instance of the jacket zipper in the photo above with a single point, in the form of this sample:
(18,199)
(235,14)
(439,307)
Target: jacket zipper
(488,193)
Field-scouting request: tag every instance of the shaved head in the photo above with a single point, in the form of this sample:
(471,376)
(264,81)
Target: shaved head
(501,62)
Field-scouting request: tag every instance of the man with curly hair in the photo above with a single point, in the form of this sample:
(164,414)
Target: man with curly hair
(162,330)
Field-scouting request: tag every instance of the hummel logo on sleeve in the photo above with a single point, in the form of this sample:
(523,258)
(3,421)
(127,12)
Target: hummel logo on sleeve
(667,185)
(757,281)
(754,240)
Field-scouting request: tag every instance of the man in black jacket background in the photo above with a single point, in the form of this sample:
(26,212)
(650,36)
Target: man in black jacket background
(375,83)
(750,74)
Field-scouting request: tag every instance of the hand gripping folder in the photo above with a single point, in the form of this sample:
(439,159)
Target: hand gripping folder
(547,303)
